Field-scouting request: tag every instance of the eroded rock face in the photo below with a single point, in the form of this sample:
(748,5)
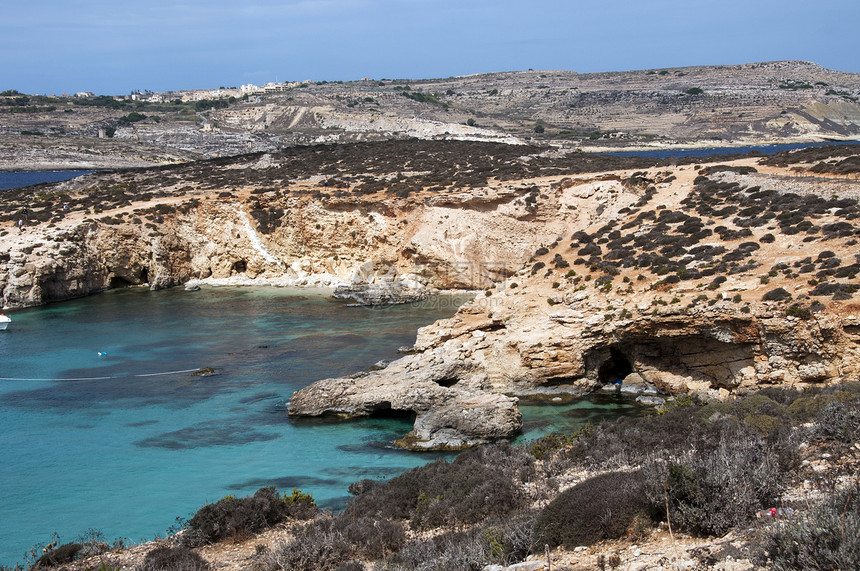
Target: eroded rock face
(387,253)
(456,382)
(709,352)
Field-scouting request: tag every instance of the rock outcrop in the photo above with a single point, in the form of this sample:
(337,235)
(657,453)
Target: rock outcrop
(446,416)
(380,253)
(550,330)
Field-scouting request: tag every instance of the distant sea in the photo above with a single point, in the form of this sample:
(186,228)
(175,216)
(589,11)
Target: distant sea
(707,152)
(21,179)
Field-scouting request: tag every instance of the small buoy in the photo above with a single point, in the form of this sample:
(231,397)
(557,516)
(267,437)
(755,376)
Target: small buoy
(102,354)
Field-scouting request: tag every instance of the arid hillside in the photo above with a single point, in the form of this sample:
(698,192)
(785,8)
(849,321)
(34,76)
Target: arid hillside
(692,106)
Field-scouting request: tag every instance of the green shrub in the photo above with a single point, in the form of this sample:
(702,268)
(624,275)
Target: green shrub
(800,312)
(602,507)
(712,490)
(826,537)
(806,408)
(545,446)
(174,559)
(759,403)
(764,423)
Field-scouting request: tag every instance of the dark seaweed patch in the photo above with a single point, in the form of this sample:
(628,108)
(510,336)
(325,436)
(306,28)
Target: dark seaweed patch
(213,433)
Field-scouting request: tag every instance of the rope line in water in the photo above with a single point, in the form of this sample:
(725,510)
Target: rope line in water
(104,378)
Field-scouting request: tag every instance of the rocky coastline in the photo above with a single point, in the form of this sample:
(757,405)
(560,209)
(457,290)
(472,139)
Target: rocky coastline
(723,292)
(668,279)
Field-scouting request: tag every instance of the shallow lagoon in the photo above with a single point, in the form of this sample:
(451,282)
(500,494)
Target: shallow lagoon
(123,443)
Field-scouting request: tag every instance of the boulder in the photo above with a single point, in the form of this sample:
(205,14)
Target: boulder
(446,417)
(468,419)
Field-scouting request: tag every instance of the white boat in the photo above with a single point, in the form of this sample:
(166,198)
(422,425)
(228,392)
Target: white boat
(4,321)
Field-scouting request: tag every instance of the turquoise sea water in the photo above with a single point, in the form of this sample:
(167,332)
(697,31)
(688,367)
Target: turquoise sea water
(129,453)
(711,151)
(111,442)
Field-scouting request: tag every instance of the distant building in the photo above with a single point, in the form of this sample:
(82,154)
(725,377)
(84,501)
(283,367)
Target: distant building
(85,94)
(273,87)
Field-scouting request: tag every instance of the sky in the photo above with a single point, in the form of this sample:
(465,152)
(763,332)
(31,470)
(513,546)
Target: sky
(117,46)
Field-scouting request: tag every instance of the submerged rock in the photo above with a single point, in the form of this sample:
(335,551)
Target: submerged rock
(392,293)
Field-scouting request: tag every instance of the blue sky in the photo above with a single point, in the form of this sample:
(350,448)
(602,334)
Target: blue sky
(114,47)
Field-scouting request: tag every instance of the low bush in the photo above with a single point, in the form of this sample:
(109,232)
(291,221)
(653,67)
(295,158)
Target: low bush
(826,537)
(777,294)
(799,312)
(602,507)
(452,551)
(710,491)
(838,421)
(590,249)
(328,542)
(63,554)
(478,484)
(173,559)
(834,289)
(236,517)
